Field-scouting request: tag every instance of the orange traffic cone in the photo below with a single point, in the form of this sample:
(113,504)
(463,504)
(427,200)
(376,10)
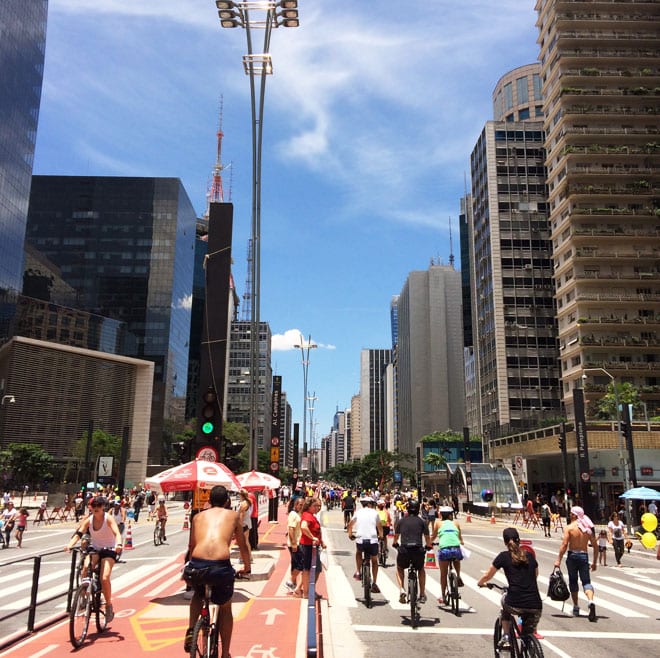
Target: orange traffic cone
(186,521)
(128,542)
(468,517)
(492,517)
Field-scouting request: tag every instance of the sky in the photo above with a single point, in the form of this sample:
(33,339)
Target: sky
(371,114)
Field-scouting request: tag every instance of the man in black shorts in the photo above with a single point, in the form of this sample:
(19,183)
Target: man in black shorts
(348,505)
(411,537)
(210,539)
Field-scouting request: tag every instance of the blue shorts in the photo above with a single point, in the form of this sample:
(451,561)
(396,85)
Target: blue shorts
(577,564)
(219,575)
(451,553)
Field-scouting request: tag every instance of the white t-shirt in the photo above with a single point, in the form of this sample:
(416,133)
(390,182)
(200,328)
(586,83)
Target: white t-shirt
(616,530)
(365,525)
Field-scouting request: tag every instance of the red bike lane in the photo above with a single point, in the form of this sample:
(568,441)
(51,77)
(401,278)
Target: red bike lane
(151,616)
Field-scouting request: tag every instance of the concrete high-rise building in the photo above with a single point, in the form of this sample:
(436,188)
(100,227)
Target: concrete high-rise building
(430,371)
(513,327)
(355,444)
(238,390)
(373,419)
(600,67)
(126,246)
(22,48)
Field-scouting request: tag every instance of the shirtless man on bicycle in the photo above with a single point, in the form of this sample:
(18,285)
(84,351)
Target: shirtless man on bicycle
(210,538)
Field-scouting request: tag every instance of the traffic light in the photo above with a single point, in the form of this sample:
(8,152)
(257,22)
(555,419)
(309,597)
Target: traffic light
(230,460)
(562,442)
(210,423)
(180,452)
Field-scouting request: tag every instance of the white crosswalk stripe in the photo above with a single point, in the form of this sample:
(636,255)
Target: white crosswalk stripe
(619,594)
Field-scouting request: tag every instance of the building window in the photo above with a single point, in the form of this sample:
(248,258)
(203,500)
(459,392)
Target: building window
(521,89)
(508,96)
(537,87)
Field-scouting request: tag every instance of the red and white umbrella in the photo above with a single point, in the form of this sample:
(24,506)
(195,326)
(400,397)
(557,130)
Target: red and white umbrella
(257,481)
(193,475)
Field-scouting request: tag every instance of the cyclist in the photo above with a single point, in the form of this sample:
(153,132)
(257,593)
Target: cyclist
(348,505)
(365,527)
(385,520)
(210,539)
(105,538)
(161,515)
(414,542)
(522,598)
(447,532)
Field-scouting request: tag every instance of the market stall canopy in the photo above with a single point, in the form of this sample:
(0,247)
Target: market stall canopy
(193,475)
(257,481)
(641,493)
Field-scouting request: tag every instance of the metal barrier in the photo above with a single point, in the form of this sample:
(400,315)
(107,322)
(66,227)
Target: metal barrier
(31,608)
(312,635)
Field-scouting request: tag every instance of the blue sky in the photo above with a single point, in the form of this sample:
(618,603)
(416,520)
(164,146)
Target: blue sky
(370,118)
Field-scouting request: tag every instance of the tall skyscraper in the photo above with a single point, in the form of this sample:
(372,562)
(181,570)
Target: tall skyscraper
(373,428)
(126,246)
(600,66)
(22,47)
(430,372)
(513,324)
(238,392)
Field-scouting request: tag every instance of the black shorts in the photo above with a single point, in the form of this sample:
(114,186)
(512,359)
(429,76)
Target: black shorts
(367,547)
(296,559)
(219,575)
(107,552)
(411,555)
(306,550)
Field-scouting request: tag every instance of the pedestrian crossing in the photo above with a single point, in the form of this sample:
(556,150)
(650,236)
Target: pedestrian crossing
(629,593)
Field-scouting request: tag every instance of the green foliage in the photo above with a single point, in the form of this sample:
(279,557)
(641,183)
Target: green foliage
(436,460)
(448,436)
(627,394)
(102,445)
(27,464)
(374,470)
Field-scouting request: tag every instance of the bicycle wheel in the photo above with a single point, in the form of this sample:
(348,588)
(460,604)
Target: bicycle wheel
(454,595)
(366,581)
(201,644)
(81,610)
(412,598)
(99,609)
(531,647)
(382,554)
(157,535)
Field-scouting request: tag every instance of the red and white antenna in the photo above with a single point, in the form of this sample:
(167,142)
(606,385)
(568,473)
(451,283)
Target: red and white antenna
(215,193)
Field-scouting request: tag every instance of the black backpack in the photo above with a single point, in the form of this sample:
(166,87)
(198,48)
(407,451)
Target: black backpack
(557,588)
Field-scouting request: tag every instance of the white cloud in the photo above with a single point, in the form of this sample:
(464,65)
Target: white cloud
(184,302)
(291,339)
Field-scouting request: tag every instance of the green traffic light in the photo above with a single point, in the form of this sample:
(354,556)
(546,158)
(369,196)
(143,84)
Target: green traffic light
(207,427)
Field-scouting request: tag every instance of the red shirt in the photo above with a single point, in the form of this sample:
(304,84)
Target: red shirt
(314,527)
(254,512)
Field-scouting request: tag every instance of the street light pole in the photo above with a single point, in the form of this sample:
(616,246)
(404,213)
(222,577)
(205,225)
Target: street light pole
(623,462)
(310,400)
(304,352)
(265,15)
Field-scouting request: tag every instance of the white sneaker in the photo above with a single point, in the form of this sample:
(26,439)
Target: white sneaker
(289,585)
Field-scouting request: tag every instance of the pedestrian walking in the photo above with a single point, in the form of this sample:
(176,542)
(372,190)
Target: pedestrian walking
(578,536)
(617,537)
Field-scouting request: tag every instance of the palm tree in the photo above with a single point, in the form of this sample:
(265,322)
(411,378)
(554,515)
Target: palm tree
(436,460)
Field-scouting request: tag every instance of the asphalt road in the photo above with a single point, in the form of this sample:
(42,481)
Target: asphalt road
(627,602)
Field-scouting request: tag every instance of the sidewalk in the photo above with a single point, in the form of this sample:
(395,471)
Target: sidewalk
(152,614)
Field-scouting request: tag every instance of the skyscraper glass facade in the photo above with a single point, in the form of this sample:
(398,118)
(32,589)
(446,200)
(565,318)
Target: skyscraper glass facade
(22,46)
(126,246)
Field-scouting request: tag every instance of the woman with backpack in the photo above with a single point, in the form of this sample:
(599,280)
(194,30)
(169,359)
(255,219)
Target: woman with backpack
(617,536)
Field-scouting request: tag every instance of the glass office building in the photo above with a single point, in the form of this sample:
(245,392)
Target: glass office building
(22,47)
(126,246)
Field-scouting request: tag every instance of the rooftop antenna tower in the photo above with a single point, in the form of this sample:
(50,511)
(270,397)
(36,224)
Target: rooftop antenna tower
(246,312)
(215,193)
(451,246)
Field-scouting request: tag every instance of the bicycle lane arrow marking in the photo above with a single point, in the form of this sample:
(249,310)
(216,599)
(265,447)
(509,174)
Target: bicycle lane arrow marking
(271,615)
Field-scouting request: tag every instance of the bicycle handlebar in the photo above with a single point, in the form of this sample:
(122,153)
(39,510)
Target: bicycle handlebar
(496,586)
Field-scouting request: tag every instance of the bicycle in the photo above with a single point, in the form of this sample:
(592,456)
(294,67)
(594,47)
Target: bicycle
(159,533)
(382,552)
(520,646)
(452,595)
(413,593)
(366,578)
(206,634)
(87,600)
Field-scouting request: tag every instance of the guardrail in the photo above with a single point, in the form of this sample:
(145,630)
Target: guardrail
(312,635)
(31,608)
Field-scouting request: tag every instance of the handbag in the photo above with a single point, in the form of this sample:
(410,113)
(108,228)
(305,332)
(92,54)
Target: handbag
(323,556)
(557,588)
(466,552)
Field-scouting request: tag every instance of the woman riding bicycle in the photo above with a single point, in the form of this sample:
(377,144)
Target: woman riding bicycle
(106,540)
(522,598)
(447,533)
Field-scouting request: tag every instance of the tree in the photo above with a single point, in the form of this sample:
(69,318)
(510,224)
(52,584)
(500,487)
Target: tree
(627,394)
(29,464)
(102,445)
(448,436)
(436,460)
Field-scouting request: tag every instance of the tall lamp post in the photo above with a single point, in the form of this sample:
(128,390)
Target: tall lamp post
(264,15)
(623,462)
(310,400)
(304,353)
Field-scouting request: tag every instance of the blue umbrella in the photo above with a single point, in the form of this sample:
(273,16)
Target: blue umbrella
(641,493)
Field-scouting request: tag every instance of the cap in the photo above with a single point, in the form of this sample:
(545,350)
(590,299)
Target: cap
(510,534)
(366,500)
(446,509)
